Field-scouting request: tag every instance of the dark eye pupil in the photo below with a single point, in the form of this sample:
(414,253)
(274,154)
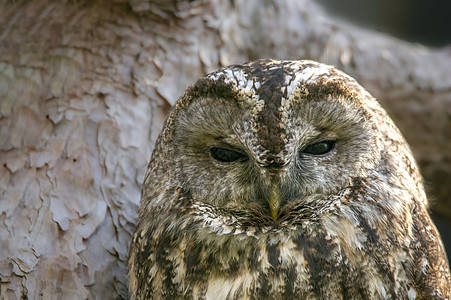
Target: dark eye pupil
(225,155)
(319,148)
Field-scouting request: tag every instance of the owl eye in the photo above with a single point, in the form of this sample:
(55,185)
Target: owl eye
(226,155)
(319,148)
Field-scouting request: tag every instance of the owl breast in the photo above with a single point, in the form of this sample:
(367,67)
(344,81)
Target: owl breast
(323,256)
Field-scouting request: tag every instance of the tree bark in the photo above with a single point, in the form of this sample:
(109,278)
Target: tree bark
(85,87)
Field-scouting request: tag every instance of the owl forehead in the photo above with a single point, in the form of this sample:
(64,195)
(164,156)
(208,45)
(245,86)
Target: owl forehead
(255,79)
(270,88)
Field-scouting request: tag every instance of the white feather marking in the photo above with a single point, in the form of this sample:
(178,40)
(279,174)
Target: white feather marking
(412,294)
(424,266)
(220,288)
(381,288)
(220,225)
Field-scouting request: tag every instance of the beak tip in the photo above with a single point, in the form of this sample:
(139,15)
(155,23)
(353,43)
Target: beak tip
(274,202)
(274,214)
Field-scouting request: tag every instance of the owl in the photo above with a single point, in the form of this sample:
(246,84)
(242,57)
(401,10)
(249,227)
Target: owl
(280,180)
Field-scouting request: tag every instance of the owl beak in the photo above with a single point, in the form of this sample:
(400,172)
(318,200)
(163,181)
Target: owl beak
(274,201)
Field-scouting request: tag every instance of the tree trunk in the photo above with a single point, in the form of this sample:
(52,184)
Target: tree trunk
(86,85)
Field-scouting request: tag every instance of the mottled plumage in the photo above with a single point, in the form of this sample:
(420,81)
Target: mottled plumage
(284,179)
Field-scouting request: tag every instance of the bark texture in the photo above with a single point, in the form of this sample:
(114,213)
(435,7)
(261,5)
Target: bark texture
(85,87)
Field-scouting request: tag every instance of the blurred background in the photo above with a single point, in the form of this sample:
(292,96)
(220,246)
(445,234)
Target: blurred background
(421,21)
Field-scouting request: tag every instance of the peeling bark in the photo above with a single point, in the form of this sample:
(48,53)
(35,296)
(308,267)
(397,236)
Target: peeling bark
(85,87)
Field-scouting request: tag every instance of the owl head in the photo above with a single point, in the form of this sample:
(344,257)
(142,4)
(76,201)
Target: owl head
(261,138)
